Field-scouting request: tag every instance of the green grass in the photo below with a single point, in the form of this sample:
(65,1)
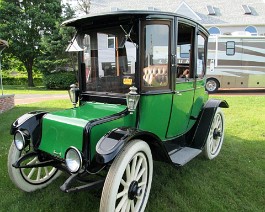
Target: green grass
(234,181)
(20,89)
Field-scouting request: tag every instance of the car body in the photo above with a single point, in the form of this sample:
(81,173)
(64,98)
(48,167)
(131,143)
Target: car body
(132,104)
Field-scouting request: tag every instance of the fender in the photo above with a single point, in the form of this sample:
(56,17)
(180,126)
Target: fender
(30,122)
(204,122)
(111,144)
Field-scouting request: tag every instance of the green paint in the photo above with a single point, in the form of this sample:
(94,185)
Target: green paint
(200,98)
(181,108)
(63,129)
(99,130)
(154,113)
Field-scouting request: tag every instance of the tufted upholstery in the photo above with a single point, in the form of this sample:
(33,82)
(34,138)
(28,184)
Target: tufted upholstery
(155,75)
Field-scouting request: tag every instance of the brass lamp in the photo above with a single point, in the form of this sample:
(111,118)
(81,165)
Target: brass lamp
(132,99)
(73,94)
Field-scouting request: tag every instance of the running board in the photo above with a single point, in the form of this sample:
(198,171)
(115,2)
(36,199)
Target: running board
(184,155)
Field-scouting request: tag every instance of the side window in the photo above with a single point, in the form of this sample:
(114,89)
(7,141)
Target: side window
(201,69)
(230,48)
(214,31)
(111,41)
(185,51)
(156,53)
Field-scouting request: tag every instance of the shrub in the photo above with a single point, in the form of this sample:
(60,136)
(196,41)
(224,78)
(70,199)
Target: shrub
(59,80)
(21,80)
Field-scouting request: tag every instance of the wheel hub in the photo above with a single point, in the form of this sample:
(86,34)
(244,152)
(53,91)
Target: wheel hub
(134,190)
(216,133)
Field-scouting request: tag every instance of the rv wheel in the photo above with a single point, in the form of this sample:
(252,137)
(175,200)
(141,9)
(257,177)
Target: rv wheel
(212,85)
(129,179)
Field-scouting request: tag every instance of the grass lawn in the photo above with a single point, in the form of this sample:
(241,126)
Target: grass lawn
(21,89)
(234,181)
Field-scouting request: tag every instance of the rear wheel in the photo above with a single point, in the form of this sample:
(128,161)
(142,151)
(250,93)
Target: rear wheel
(216,136)
(212,85)
(129,179)
(29,179)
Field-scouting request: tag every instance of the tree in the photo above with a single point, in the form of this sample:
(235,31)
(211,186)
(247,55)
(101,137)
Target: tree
(53,55)
(24,23)
(84,6)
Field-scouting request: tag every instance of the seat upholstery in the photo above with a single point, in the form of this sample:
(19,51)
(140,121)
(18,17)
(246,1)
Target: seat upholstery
(155,75)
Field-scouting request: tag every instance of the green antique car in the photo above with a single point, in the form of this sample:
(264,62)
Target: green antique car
(140,97)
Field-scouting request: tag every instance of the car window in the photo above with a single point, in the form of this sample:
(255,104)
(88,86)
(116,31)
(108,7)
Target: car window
(201,69)
(185,40)
(156,53)
(109,56)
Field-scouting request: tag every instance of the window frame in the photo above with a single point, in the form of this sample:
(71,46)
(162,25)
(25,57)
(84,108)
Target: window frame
(252,33)
(215,33)
(230,48)
(111,38)
(145,23)
(204,62)
(192,55)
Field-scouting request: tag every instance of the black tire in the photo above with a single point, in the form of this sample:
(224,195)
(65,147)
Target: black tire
(129,179)
(212,85)
(29,179)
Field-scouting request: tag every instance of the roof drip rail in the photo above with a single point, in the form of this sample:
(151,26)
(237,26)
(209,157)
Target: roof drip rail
(246,9)
(211,10)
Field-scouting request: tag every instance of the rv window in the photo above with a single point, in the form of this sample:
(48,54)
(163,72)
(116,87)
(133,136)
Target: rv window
(185,51)
(230,48)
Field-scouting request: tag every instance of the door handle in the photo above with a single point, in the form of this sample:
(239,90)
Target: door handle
(178,93)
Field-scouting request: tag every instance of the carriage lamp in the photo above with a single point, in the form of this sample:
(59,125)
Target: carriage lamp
(132,99)
(73,94)
(21,140)
(73,160)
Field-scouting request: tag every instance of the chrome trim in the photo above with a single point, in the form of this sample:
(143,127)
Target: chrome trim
(79,155)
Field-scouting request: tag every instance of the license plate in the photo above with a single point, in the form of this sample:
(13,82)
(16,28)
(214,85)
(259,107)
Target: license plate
(127,81)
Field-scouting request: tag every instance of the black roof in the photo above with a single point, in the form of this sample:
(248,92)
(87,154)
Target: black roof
(118,16)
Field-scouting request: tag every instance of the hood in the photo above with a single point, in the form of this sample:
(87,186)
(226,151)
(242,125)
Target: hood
(63,129)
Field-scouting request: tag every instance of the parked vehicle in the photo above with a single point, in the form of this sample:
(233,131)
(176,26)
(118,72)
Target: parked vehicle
(132,105)
(235,62)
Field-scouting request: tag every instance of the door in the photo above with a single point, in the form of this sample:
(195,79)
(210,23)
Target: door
(200,96)
(185,80)
(156,95)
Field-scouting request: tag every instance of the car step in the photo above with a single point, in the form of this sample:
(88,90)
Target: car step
(184,155)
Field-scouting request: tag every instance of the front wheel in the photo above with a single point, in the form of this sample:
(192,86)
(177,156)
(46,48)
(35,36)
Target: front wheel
(216,136)
(29,179)
(129,179)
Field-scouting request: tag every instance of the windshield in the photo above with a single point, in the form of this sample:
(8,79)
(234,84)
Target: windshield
(109,57)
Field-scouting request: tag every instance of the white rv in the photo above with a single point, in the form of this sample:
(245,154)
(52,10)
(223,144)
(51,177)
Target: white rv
(235,61)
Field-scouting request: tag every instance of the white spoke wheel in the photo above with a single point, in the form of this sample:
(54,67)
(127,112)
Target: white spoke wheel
(29,179)
(216,136)
(128,183)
